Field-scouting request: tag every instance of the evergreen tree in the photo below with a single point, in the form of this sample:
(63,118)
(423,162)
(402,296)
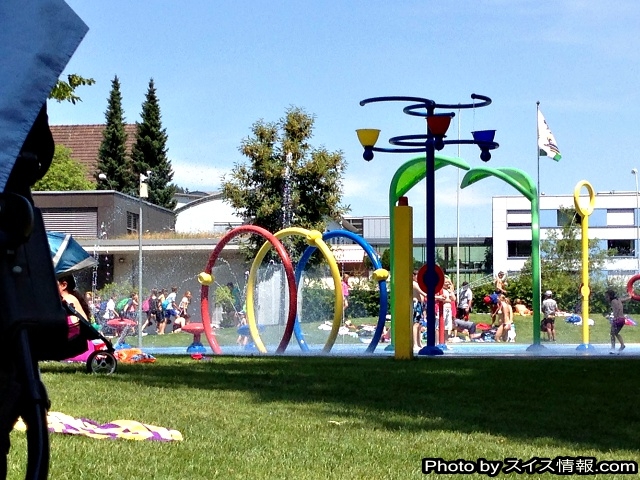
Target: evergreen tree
(313,177)
(113,160)
(149,152)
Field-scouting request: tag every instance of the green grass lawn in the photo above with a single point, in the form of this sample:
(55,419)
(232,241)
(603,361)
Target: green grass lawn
(341,418)
(567,332)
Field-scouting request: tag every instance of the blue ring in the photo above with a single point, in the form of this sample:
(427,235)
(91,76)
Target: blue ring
(375,260)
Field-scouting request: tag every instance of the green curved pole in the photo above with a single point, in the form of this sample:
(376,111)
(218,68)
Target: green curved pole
(522,182)
(406,177)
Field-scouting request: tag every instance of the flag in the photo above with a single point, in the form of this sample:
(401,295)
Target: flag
(546,141)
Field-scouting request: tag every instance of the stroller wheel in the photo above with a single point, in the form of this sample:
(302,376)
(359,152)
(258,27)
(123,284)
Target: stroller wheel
(101,362)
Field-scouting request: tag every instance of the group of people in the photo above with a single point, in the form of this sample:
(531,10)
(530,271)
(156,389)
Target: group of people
(502,311)
(453,308)
(161,308)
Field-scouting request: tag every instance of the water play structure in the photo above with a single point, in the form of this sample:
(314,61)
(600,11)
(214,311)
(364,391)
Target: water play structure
(316,241)
(401,237)
(427,143)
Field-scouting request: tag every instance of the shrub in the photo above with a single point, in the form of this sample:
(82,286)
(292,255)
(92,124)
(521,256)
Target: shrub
(319,301)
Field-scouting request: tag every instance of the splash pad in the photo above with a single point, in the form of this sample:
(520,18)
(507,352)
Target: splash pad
(316,241)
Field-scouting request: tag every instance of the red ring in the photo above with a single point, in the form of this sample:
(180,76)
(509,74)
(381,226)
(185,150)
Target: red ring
(632,294)
(291,281)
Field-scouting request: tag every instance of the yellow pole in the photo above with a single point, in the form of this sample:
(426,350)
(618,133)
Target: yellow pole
(402,283)
(585,290)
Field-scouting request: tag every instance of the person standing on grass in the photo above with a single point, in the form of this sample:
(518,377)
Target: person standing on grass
(152,311)
(506,320)
(448,300)
(161,321)
(496,310)
(617,319)
(169,308)
(464,302)
(549,309)
(345,291)
(500,284)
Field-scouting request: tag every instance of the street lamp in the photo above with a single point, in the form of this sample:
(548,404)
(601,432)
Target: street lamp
(634,172)
(103,178)
(143,193)
(434,139)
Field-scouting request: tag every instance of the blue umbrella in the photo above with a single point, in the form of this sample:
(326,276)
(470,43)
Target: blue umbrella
(68,255)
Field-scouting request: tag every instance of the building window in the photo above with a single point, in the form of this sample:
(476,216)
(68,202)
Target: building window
(598,218)
(620,217)
(519,248)
(133,220)
(518,218)
(623,248)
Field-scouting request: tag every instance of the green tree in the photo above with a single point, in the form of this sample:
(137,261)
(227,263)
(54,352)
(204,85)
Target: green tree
(561,264)
(113,160)
(64,91)
(64,174)
(313,176)
(385,260)
(149,152)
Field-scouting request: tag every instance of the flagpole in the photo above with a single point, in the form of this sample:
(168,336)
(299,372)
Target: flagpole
(538,145)
(538,291)
(458,221)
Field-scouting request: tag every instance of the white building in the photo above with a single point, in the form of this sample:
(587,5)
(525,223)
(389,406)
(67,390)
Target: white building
(208,214)
(613,222)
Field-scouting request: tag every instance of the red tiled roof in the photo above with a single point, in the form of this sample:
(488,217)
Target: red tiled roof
(84,142)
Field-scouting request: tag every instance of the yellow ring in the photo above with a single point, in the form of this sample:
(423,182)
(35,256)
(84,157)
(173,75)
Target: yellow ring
(313,238)
(576,198)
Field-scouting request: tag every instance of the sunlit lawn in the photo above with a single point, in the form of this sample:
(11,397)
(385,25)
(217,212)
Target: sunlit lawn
(343,418)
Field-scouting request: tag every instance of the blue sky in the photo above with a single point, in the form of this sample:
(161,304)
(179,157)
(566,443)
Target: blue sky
(220,66)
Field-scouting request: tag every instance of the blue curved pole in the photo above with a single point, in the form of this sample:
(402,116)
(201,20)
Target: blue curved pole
(382,284)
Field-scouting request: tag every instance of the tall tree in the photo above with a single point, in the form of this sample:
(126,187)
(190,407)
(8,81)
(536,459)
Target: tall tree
(113,160)
(149,152)
(64,174)
(271,191)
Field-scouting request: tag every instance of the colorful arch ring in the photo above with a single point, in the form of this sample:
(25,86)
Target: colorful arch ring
(630,291)
(314,238)
(204,290)
(584,212)
(422,278)
(380,275)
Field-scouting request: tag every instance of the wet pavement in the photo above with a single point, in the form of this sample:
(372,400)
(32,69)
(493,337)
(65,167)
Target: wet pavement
(471,349)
